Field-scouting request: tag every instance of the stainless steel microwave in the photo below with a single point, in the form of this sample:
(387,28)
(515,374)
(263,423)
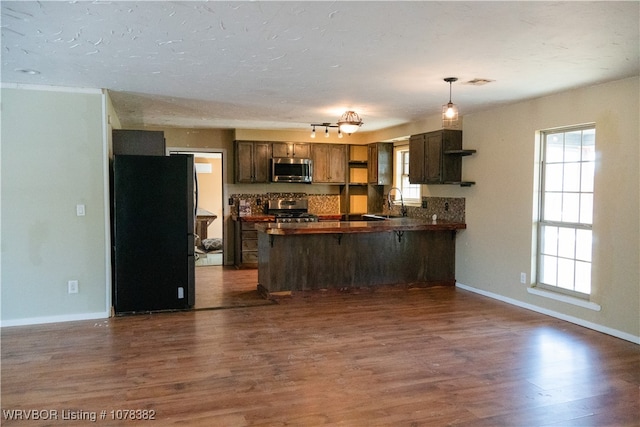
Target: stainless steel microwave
(287,169)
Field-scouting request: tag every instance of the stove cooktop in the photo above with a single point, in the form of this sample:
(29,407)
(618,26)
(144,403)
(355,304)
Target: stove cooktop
(296,217)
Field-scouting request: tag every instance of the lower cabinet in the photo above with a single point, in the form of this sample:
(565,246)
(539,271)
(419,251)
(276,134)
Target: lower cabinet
(353,259)
(246,244)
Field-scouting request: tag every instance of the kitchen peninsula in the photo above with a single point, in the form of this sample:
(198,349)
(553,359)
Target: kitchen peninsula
(355,254)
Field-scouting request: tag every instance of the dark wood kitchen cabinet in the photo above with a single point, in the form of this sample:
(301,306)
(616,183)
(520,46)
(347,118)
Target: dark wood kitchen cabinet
(252,162)
(290,149)
(138,142)
(329,163)
(436,158)
(352,256)
(380,163)
(246,244)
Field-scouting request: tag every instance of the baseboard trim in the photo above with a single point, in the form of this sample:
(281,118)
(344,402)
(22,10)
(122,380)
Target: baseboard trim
(53,319)
(581,322)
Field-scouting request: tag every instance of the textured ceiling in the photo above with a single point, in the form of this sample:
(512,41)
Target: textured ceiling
(283,65)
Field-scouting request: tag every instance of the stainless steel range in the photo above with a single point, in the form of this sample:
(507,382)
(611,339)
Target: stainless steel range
(290,210)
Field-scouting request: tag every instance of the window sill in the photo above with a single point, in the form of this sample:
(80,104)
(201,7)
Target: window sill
(565,298)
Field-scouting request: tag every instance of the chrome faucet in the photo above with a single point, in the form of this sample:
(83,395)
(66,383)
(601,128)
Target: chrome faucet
(403,209)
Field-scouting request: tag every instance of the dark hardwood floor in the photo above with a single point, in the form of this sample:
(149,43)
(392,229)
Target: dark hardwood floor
(226,287)
(422,357)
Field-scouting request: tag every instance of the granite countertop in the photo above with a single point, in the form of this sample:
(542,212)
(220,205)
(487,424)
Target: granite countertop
(271,218)
(329,217)
(343,227)
(254,218)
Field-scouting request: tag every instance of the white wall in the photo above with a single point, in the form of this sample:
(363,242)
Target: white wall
(53,158)
(498,243)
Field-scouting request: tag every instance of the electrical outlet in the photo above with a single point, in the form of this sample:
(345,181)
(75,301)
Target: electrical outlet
(523,278)
(72,286)
(424,204)
(80,210)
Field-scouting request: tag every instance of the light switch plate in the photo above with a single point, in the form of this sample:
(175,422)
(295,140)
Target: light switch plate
(80,210)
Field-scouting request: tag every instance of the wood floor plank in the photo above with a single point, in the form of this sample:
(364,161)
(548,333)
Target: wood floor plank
(420,357)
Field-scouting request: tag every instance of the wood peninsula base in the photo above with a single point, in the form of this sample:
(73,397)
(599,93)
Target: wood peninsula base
(358,255)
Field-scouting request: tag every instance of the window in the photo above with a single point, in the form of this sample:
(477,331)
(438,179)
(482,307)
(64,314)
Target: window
(410,192)
(566,210)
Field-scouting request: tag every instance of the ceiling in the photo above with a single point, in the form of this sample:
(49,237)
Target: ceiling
(284,65)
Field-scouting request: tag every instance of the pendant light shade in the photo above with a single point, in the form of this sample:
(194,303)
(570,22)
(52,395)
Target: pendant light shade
(450,110)
(349,122)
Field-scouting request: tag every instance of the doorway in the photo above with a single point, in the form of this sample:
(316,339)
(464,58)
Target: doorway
(210,214)
(209,226)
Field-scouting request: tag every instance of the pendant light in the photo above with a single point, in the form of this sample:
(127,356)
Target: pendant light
(450,110)
(349,122)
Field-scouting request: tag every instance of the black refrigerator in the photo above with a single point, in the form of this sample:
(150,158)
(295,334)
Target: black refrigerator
(153,218)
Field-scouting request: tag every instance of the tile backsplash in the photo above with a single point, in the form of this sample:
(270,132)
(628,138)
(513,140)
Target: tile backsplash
(318,203)
(324,204)
(446,208)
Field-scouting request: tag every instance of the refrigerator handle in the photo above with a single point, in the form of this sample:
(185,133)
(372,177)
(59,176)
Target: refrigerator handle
(195,180)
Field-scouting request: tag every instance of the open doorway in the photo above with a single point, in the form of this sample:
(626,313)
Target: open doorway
(209,223)
(209,215)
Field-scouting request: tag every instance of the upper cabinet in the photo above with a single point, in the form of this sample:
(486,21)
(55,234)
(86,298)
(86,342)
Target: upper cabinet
(332,163)
(252,162)
(380,163)
(329,163)
(291,149)
(436,158)
(138,142)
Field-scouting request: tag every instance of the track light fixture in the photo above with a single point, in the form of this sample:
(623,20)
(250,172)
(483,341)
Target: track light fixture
(349,123)
(326,128)
(450,110)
